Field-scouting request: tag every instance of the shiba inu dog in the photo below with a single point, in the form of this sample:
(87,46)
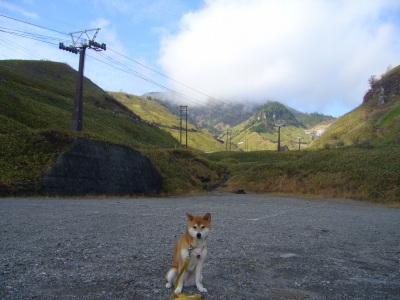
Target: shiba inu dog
(193,243)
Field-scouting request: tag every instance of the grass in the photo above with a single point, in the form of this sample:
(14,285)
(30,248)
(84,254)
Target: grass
(28,108)
(253,141)
(149,110)
(25,155)
(369,123)
(353,128)
(199,140)
(158,114)
(390,117)
(353,172)
(258,132)
(35,114)
(184,171)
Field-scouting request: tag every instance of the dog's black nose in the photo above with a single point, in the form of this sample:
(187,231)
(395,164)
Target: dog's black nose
(198,235)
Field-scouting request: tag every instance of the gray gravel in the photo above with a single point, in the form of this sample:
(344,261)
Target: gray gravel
(261,247)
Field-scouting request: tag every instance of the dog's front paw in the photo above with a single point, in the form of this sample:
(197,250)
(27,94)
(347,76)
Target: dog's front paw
(168,285)
(178,291)
(201,288)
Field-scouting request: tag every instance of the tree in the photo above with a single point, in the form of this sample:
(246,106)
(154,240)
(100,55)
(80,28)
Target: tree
(372,80)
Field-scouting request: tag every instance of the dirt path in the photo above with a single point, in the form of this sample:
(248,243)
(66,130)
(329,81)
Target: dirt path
(261,247)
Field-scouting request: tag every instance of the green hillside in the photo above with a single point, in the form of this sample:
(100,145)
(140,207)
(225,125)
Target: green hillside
(214,117)
(375,122)
(313,119)
(36,101)
(354,172)
(259,133)
(149,110)
(217,116)
(158,114)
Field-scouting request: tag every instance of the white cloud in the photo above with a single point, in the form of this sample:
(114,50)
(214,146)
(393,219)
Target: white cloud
(107,34)
(312,55)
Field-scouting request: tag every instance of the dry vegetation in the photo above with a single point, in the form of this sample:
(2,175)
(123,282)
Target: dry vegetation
(35,111)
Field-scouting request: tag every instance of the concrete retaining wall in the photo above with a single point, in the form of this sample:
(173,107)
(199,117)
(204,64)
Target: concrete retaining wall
(94,167)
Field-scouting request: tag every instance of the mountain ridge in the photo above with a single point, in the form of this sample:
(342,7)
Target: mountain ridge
(376,121)
(34,129)
(217,117)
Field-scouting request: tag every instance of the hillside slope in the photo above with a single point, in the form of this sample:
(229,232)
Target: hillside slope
(214,116)
(310,120)
(259,133)
(217,116)
(375,122)
(36,101)
(157,113)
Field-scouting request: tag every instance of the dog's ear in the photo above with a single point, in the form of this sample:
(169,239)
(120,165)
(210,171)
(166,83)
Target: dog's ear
(190,217)
(207,217)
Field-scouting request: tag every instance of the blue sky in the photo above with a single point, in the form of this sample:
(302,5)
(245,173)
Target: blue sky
(313,55)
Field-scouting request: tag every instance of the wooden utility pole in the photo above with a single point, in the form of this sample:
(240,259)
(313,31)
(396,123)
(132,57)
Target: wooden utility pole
(182,109)
(227,139)
(230,141)
(186,129)
(279,134)
(299,138)
(180,127)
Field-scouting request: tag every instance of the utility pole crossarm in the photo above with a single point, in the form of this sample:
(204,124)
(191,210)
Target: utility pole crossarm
(81,33)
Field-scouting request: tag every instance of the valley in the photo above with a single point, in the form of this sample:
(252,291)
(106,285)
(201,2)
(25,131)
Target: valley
(358,156)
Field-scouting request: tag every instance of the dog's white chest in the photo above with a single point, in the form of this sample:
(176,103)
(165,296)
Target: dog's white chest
(197,256)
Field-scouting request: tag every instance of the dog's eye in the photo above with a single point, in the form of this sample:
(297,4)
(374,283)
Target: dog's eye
(195,227)
(202,227)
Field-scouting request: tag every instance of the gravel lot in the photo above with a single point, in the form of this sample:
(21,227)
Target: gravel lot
(261,247)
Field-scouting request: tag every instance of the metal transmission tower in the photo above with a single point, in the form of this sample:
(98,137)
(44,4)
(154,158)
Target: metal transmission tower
(79,45)
(183,108)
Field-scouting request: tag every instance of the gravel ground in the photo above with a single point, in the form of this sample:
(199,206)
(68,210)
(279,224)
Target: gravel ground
(260,247)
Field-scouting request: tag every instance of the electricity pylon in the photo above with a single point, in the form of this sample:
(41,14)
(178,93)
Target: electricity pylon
(79,45)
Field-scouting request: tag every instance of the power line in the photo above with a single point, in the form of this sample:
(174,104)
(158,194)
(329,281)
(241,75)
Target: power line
(19,46)
(20,53)
(126,69)
(23,49)
(27,36)
(32,24)
(14,31)
(134,73)
(173,79)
